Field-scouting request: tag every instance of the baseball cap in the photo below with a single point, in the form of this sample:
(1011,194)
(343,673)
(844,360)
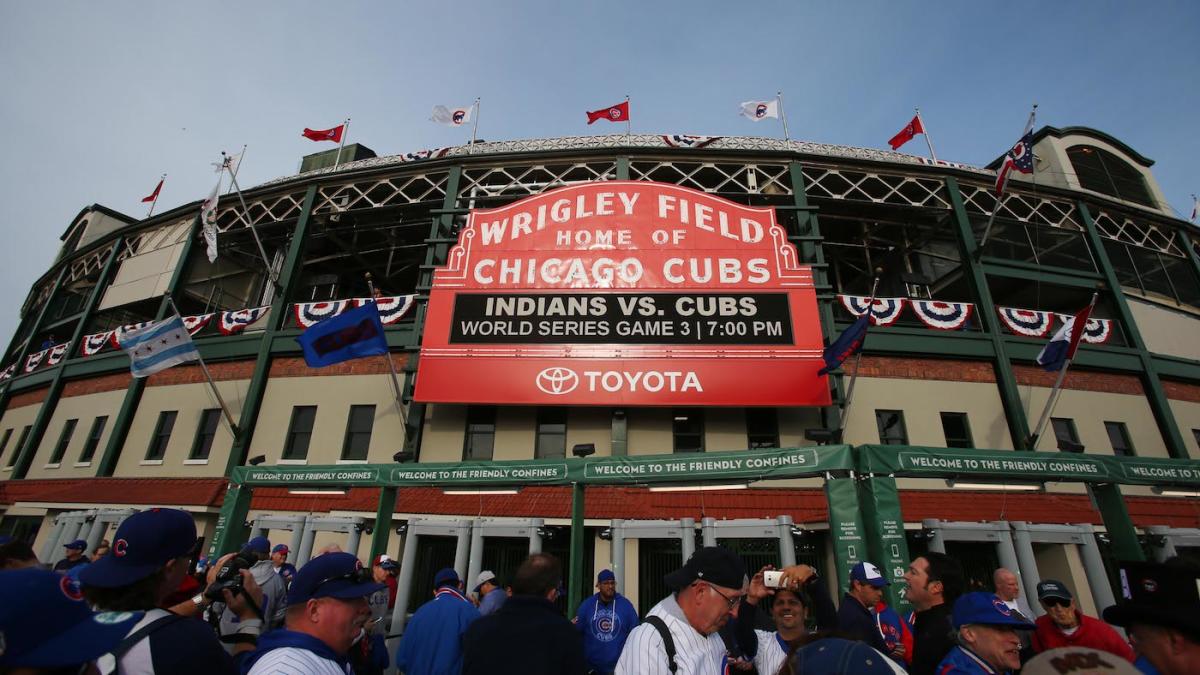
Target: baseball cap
(45,623)
(258,545)
(78,545)
(144,543)
(446,575)
(835,656)
(1158,594)
(386,562)
(1052,589)
(714,564)
(281,548)
(484,577)
(605,575)
(1081,660)
(333,575)
(987,609)
(868,573)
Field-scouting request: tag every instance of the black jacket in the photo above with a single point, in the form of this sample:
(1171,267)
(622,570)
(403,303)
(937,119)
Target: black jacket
(526,636)
(856,622)
(933,638)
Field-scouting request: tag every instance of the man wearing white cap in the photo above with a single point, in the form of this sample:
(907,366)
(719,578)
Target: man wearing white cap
(854,617)
(491,596)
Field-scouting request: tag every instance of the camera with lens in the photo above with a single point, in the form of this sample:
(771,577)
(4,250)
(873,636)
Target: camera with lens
(229,576)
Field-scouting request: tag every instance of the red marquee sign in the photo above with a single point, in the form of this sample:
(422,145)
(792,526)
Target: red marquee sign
(623,293)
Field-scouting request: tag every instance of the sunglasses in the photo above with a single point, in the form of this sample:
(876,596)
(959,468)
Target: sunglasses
(1056,602)
(358,576)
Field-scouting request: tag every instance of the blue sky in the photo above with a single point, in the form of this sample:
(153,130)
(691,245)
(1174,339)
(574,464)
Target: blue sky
(99,99)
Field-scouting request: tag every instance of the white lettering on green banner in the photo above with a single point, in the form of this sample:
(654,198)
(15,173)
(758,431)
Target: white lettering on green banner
(482,474)
(1168,470)
(731,465)
(1015,466)
(346,476)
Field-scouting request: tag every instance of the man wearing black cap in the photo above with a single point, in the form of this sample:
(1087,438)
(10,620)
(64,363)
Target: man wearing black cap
(1064,625)
(708,589)
(1160,607)
(75,556)
(327,612)
(150,557)
(432,642)
(988,641)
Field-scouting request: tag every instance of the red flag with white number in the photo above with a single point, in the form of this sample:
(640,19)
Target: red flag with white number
(616,113)
(907,133)
(334,134)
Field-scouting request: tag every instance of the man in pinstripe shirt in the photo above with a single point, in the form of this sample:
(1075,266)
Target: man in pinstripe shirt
(708,589)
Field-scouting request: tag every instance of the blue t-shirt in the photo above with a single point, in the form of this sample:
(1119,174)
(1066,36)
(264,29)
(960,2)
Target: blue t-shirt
(605,626)
(492,601)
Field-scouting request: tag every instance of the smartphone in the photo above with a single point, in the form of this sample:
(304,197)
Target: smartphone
(771,578)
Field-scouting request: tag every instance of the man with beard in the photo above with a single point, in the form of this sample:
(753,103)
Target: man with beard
(988,642)
(605,620)
(326,613)
(680,634)
(770,649)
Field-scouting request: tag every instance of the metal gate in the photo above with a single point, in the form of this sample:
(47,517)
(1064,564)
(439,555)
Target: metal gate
(656,559)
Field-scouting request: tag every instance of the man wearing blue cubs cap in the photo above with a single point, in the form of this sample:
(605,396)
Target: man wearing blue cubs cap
(279,560)
(46,625)
(987,636)
(854,617)
(327,611)
(837,656)
(75,556)
(605,620)
(432,641)
(150,556)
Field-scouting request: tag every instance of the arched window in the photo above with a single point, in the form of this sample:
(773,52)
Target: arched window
(1101,171)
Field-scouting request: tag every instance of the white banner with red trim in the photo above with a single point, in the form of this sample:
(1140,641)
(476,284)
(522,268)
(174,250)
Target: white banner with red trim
(195,324)
(1027,322)
(942,315)
(34,360)
(57,352)
(94,343)
(236,322)
(392,308)
(884,311)
(310,313)
(8,372)
(1096,332)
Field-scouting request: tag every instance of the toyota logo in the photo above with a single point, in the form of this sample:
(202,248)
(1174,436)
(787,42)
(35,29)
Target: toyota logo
(557,381)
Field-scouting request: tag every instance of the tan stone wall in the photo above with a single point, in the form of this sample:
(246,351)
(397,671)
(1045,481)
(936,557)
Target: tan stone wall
(922,402)
(1167,330)
(85,409)
(189,400)
(15,419)
(1090,409)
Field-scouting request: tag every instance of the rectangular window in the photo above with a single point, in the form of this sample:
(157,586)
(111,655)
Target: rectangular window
(551,433)
(480,438)
(162,434)
(891,427)
(205,433)
(762,428)
(957,430)
(93,439)
(64,439)
(4,441)
(295,446)
(358,432)
(1118,436)
(688,430)
(1064,429)
(16,451)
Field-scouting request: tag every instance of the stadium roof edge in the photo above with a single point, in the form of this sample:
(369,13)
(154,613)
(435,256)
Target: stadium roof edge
(1057,132)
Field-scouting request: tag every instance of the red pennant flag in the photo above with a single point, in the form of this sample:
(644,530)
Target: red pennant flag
(906,134)
(154,195)
(334,134)
(616,113)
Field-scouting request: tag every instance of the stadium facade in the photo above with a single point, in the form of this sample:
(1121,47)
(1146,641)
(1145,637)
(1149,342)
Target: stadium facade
(766,249)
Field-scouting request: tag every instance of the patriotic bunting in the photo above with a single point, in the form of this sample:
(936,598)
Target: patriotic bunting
(310,313)
(391,308)
(116,334)
(8,372)
(92,344)
(236,322)
(884,312)
(1096,332)
(1027,322)
(34,360)
(687,141)
(195,324)
(57,352)
(942,315)
(433,153)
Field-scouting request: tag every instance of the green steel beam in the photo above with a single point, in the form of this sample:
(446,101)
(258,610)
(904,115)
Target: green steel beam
(1155,394)
(50,403)
(248,420)
(1032,273)
(383,521)
(1176,367)
(575,584)
(1010,397)
(231,529)
(623,168)
(1122,534)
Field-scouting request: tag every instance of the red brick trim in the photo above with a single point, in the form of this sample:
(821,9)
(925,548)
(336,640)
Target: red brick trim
(97,385)
(113,491)
(192,374)
(27,398)
(1082,380)
(294,366)
(952,370)
(1182,391)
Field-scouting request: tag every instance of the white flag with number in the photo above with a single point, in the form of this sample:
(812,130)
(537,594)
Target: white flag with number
(760,110)
(208,221)
(451,117)
(158,346)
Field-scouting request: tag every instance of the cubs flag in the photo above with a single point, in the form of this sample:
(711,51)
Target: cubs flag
(334,134)
(760,110)
(451,117)
(907,133)
(849,343)
(157,346)
(616,113)
(208,221)
(1062,346)
(153,195)
(350,335)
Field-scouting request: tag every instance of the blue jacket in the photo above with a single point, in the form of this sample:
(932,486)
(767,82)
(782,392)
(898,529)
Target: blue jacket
(857,623)
(605,628)
(961,661)
(432,642)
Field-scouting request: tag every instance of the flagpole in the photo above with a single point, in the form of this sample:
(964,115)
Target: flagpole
(156,194)
(474,128)
(628,118)
(782,114)
(1195,207)
(392,368)
(253,230)
(857,358)
(992,218)
(345,132)
(241,157)
(925,133)
(233,427)
(1056,391)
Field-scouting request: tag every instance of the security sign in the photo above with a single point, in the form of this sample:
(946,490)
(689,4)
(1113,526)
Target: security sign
(623,293)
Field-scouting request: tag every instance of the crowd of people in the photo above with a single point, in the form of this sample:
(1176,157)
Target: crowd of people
(146,604)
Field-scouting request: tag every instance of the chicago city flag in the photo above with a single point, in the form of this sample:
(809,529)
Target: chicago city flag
(157,346)
(760,110)
(452,117)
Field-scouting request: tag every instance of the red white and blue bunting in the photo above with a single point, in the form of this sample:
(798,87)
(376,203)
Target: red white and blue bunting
(884,312)
(392,308)
(689,141)
(1027,322)
(94,343)
(34,360)
(8,372)
(1097,331)
(236,321)
(432,153)
(195,324)
(942,315)
(57,352)
(116,334)
(310,313)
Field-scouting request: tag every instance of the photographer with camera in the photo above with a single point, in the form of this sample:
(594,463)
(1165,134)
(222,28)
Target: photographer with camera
(256,557)
(150,556)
